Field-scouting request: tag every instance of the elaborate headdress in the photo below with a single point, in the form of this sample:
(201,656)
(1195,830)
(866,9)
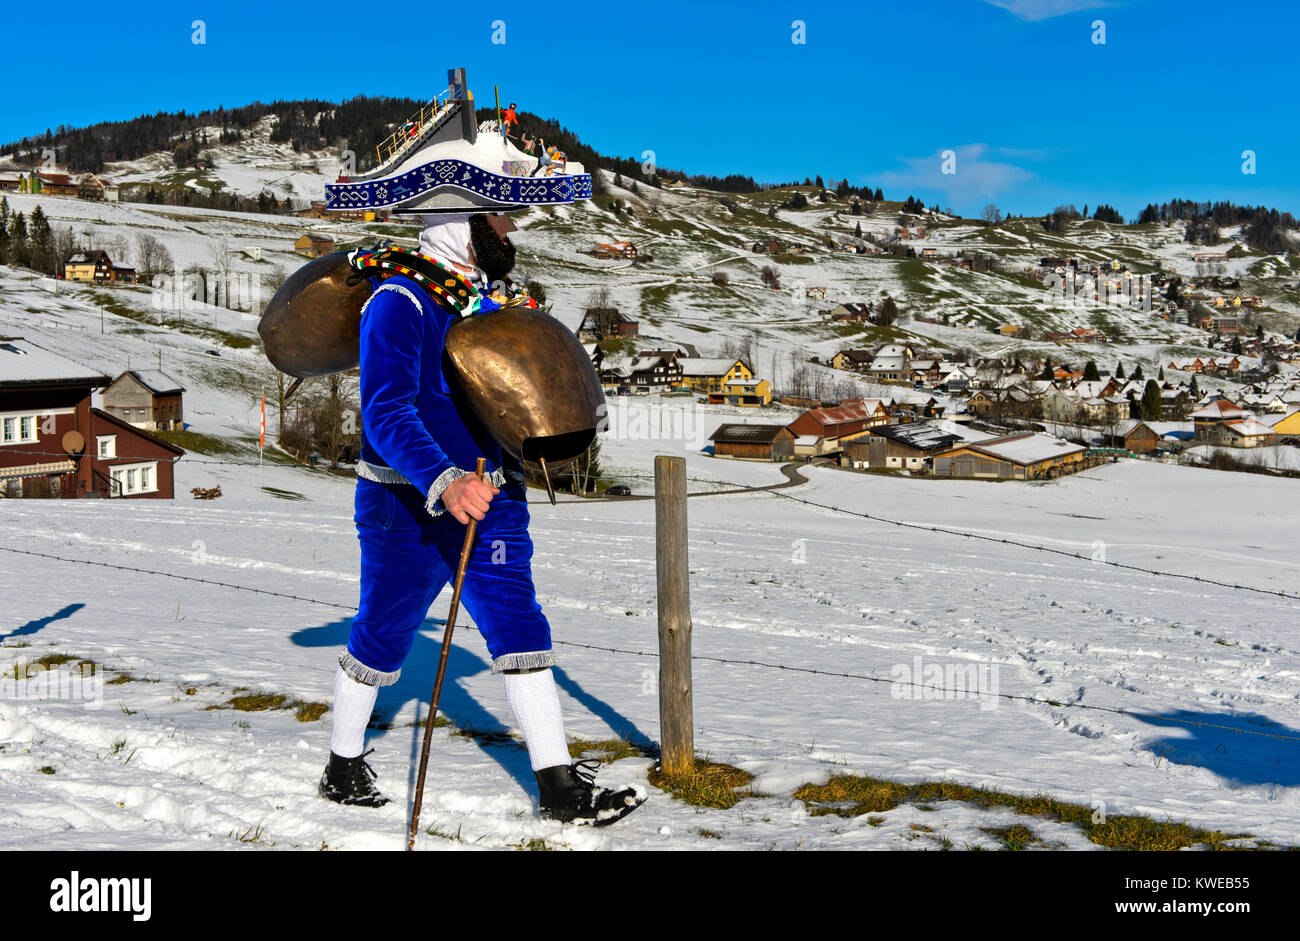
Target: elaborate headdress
(436,162)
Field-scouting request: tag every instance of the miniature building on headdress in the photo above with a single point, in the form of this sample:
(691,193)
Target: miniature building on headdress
(436,161)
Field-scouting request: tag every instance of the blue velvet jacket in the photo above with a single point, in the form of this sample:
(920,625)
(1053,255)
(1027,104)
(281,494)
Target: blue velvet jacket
(412,427)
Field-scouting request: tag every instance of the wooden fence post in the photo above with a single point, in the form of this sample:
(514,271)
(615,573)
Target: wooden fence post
(676,710)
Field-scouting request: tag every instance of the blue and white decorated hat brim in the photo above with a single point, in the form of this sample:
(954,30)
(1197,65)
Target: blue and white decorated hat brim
(459,176)
(453,185)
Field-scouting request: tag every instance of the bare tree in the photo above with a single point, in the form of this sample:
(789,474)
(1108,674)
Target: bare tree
(153,257)
(991,214)
(335,425)
(219,254)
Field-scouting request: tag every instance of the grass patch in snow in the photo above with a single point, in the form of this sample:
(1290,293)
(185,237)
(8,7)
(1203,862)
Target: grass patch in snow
(605,750)
(266,702)
(708,784)
(1015,837)
(855,795)
(198,443)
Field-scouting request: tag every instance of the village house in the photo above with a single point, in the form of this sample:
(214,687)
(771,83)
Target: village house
(853,360)
(313,245)
(648,371)
(908,447)
(1134,435)
(753,442)
(1220,410)
(606,323)
(750,393)
(849,313)
(818,294)
(56,184)
(95,266)
(615,250)
(54,444)
(891,364)
(1241,433)
(146,398)
(827,429)
(1026,456)
(710,375)
(1285,425)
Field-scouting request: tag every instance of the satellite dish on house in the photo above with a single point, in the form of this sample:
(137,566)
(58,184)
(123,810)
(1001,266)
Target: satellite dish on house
(74,442)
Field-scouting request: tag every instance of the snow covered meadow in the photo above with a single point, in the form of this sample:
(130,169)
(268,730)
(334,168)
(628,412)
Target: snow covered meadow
(1212,671)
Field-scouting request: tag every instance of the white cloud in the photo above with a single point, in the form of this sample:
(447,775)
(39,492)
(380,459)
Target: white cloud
(975,176)
(1034,10)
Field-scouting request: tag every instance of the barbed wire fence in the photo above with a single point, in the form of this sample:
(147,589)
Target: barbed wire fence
(649,654)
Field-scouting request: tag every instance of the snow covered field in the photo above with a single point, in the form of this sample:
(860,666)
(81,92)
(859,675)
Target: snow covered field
(809,592)
(773,581)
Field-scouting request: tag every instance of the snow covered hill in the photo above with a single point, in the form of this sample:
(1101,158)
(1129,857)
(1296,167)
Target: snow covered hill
(816,630)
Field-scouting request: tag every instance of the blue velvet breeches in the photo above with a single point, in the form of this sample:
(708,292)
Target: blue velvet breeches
(408,557)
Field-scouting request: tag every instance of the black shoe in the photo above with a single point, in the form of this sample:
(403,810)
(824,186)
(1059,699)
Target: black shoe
(351,781)
(570,795)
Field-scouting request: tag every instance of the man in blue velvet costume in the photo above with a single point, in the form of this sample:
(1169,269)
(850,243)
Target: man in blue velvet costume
(415,496)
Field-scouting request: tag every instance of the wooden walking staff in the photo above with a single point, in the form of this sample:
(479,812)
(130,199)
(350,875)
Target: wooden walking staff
(442,666)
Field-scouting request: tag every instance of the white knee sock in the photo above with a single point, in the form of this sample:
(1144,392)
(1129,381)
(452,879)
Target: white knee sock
(353,704)
(536,705)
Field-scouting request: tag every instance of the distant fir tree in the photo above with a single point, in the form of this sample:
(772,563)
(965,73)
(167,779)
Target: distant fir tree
(1119,370)
(1152,405)
(1091,373)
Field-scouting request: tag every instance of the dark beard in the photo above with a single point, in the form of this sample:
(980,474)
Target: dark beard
(495,257)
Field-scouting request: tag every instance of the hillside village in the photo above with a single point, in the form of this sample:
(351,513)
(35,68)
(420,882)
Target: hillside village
(876,336)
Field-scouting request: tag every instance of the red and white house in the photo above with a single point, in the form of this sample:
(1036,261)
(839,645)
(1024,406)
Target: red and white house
(54,444)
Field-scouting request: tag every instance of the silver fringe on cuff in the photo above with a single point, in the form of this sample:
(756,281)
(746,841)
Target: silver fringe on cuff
(497,479)
(533,660)
(440,484)
(364,674)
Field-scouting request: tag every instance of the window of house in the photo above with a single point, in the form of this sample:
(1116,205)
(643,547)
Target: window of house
(131,479)
(107,445)
(18,429)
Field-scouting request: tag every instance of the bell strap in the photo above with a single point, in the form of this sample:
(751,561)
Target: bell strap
(448,288)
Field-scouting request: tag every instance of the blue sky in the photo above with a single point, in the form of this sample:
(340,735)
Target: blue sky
(1035,112)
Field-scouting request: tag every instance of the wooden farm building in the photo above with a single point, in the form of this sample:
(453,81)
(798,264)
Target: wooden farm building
(1027,456)
(146,398)
(753,442)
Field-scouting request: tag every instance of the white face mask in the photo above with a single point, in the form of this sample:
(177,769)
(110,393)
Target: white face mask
(446,238)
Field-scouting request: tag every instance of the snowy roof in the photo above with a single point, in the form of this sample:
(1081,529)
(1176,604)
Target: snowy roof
(1219,409)
(696,366)
(918,435)
(1027,448)
(888,362)
(740,433)
(155,380)
(962,432)
(1248,427)
(24,363)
